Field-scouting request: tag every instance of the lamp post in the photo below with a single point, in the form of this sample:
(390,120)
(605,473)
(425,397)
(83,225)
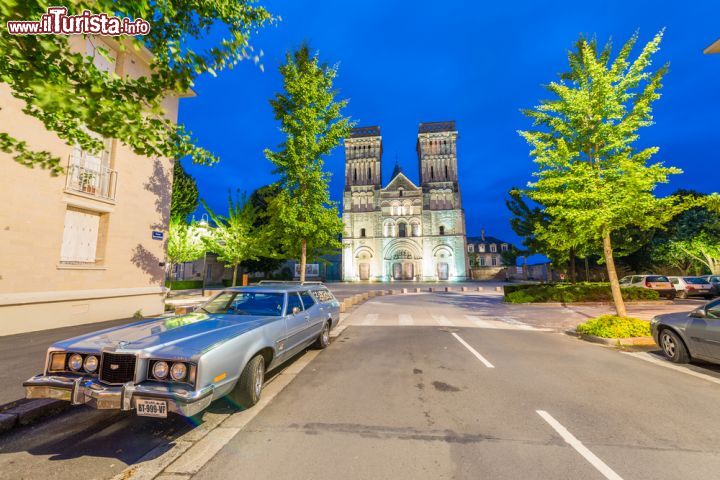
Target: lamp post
(203,226)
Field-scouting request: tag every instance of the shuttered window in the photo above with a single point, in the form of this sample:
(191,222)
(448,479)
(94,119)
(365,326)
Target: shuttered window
(80,236)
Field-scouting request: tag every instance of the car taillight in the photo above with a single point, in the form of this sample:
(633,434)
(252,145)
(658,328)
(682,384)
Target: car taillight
(690,289)
(648,284)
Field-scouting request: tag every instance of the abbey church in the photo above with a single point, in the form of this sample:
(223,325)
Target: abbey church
(403,231)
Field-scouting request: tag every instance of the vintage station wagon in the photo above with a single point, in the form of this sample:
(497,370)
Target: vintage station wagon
(182,363)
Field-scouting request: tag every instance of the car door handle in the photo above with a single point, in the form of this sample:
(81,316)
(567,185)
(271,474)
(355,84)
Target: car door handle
(307,317)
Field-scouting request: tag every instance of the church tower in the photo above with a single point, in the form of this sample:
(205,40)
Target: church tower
(363,153)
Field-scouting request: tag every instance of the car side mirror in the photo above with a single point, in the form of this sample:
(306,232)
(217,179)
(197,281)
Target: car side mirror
(295,310)
(698,313)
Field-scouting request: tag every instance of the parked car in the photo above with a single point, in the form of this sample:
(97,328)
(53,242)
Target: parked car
(684,336)
(659,283)
(715,281)
(692,287)
(182,363)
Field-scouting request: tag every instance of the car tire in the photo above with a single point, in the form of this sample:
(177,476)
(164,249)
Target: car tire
(249,386)
(682,295)
(323,339)
(673,347)
(671,296)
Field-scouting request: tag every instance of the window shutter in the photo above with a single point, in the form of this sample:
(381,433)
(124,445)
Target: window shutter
(80,236)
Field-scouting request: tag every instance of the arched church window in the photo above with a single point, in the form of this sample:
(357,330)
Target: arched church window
(442,230)
(402,232)
(446,172)
(354,174)
(432,173)
(362,232)
(369,173)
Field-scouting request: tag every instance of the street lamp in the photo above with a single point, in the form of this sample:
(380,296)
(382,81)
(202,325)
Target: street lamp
(203,226)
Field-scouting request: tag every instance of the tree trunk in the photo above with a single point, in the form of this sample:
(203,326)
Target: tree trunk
(587,270)
(234,275)
(303,259)
(612,276)
(573,274)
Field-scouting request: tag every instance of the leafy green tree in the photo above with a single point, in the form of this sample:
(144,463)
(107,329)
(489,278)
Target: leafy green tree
(64,90)
(305,221)
(184,199)
(591,180)
(185,242)
(261,199)
(235,238)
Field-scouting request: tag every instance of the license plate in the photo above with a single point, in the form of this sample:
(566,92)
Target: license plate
(151,408)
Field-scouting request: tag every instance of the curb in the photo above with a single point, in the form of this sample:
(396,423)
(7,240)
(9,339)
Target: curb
(648,303)
(613,342)
(26,412)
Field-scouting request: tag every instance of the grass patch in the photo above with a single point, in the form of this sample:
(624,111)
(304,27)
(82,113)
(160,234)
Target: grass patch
(612,326)
(183,284)
(569,293)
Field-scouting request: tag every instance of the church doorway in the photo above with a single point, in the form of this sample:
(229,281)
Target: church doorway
(364,271)
(403,271)
(443,271)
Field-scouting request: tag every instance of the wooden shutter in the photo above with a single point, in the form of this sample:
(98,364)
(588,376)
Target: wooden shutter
(80,236)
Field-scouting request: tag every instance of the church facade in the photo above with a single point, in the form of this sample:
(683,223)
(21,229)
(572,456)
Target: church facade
(403,231)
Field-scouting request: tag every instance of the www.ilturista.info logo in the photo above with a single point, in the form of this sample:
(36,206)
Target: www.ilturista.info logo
(57,21)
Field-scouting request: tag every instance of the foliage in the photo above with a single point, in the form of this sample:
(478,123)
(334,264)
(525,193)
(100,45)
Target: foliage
(235,238)
(185,242)
(184,199)
(260,199)
(591,180)
(61,87)
(304,219)
(183,284)
(509,256)
(569,293)
(612,326)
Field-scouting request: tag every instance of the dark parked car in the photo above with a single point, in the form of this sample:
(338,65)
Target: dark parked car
(684,336)
(715,281)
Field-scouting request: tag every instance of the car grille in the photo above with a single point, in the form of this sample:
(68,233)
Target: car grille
(117,368)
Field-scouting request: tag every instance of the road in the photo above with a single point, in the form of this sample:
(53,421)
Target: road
(427,386)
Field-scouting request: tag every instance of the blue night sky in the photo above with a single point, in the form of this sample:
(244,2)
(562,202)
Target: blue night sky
(402,63)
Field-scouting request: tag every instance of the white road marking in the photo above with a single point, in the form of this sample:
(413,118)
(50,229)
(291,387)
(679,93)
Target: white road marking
(649,357)
(473,351)
(579,447)
(480,322)
(405,319)
(442,320)
(370,319)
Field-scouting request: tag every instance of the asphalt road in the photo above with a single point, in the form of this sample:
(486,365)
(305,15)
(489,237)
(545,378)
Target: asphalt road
(400,394)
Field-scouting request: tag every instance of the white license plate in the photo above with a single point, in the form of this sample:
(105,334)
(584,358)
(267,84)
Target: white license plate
(151,408)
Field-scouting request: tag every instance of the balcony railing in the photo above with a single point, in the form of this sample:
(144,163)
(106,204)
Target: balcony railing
(97,181)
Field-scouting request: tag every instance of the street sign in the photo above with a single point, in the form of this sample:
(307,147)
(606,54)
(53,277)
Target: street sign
(157,235)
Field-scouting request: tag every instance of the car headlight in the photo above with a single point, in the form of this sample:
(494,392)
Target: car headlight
(160,370)
(75,362)
(178,371)
(91,363)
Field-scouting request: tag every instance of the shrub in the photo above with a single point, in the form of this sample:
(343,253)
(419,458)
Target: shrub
(569,293)
(183,284)
(612,326)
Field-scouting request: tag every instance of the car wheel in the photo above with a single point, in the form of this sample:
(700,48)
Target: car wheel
(324,339)
(682,294)
(673,347)
(249,386)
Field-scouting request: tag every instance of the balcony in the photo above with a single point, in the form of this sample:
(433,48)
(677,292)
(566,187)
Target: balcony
(98,181)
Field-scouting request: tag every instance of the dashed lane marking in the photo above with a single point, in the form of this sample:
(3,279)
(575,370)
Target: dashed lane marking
(473,351)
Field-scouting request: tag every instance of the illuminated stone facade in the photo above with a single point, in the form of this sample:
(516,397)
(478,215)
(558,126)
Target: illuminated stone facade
(403,231)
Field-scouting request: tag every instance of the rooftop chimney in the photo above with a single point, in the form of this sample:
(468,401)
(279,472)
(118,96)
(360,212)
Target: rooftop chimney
(482,234)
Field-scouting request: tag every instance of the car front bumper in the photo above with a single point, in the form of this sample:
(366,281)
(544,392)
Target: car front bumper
(89,391)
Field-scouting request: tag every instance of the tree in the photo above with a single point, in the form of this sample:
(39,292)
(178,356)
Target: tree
(235,238)
(591,180)
(261,199)
(305,221)
(184,193)
(185,243)
(63,89)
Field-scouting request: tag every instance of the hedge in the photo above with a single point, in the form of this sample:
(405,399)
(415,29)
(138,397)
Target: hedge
(183,284)
(569,293)
(612,326)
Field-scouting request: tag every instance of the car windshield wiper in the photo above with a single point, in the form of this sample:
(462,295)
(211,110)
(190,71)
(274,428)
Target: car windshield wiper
(205,310)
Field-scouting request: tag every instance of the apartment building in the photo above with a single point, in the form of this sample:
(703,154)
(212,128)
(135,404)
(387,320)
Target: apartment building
(87,246)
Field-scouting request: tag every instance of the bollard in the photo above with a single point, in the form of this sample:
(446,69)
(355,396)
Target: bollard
(343,308)
(380,293)
(404,290)
(448,289)
(182,310)
(371,294)
(498,289)
(463,289)
(480,289)
(365,296)
(430,289)
(417,289)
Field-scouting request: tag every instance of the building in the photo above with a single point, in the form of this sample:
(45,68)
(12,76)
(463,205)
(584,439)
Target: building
(86,246)
(403,231)
(485,256)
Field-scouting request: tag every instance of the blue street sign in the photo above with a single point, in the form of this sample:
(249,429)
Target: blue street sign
(157,235)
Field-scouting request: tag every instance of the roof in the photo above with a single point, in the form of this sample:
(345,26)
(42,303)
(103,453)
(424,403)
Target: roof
(487,240)
(396,171)
(365,132)
(432,127)
(714,48)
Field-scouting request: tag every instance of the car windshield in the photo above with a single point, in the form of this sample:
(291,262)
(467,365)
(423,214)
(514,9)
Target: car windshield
(246,303)
(655,278)
(695,280)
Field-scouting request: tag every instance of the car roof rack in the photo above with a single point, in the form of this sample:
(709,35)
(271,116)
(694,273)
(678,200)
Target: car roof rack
(291,282)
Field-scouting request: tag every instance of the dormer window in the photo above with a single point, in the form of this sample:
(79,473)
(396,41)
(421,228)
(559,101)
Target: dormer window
(504,247)
(493,247)
(471,248)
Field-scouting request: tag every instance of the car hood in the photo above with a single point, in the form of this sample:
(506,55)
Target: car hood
(176,336)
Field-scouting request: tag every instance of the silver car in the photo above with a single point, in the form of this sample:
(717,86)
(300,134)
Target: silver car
(684,336)
(182,363)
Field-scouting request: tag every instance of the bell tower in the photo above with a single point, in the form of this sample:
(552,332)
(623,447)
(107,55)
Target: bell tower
(437,153)
(363,155)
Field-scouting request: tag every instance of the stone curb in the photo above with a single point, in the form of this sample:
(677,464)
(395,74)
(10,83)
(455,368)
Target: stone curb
(25,413)
(648,303)
(613,342)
